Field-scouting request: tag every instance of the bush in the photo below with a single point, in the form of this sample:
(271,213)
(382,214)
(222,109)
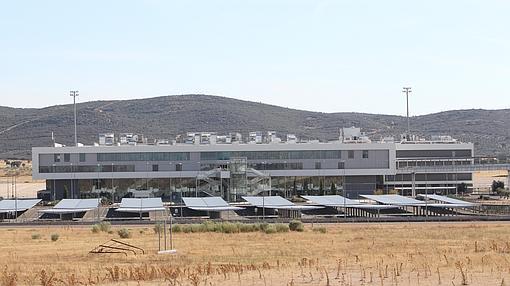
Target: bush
(230,228)
(36,236)
(54,237)
(282,227)
(186,228)
(245,227)
(270,229)
(105,226)
(320,229)
(263,226)
(102,226)
(176,228)
(124,233)
(296,225)
(158,228)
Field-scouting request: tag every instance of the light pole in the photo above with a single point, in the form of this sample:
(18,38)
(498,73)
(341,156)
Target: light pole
(74,94)
(343,189)
(407,90)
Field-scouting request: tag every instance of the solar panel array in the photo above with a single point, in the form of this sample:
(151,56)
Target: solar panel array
(445,199)
(331,200)
(140,205)
(77,204)
(396,200)
(17,205)
(276,202)
(208,204)
(73,206)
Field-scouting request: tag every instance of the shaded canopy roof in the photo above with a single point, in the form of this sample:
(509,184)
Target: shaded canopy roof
(208,204)
(276,202)
(7,206)
(73,206)
(141,205)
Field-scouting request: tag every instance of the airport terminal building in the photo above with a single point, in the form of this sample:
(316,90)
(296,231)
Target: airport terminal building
(206,164)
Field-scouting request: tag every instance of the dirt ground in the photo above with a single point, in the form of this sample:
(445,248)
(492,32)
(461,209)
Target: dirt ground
(350,254)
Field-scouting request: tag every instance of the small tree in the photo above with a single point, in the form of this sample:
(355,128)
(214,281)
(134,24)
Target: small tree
(462,188)
(497,185)
(333,188)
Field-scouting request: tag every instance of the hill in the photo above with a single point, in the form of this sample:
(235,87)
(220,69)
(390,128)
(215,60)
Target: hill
(167,116)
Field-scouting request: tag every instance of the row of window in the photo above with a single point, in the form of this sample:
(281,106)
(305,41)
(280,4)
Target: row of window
(213,156)
(280,155)
(57,158)
(430,177)
(144,156)
(86,169)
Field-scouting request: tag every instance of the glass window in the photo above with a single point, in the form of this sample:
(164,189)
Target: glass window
(364,154)
(56,158)
(155,168)
(178,167)
(145,156)
(317,165)
(350,154)
(82,157)
(67,157)
(341,165)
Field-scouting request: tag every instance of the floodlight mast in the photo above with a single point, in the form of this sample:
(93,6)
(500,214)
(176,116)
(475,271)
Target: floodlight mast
(407,90)
(74,94)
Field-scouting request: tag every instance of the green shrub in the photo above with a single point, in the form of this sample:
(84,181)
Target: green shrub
(105,226)
(263,226)
(54,237)
(280,227)
(320,229)
(230,228)
(186,228)
(270,229)
(245,227)
(36,236)
(102,226)
(176,228)
(196,228)
(158,228)
(124,233)
(296,225)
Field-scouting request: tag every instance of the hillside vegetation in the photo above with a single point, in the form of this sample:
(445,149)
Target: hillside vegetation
(167,116)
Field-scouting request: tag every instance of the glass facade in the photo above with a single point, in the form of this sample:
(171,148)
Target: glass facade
(143,156)
(272,155)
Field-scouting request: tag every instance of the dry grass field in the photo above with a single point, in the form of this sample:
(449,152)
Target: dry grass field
(350,254)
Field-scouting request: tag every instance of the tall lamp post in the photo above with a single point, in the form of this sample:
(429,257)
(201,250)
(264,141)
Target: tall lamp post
(407,90)
(74,94)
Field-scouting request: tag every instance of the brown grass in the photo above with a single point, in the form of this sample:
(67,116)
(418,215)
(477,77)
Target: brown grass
(353,254)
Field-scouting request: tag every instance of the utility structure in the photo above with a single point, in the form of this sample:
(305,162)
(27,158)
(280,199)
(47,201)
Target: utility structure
(407,90)
(74,94)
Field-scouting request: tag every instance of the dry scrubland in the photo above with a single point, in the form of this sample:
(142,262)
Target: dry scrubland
(354,254)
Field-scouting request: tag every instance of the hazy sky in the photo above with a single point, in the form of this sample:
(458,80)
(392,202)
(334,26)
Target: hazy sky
(315,55)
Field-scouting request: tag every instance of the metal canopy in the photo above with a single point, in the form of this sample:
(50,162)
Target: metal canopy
(448,200)
(331,200)
(141,205)
(209,204)
(276,202)
(452,206)
(7,206)
(339,201)
(73,206)
(396,200)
